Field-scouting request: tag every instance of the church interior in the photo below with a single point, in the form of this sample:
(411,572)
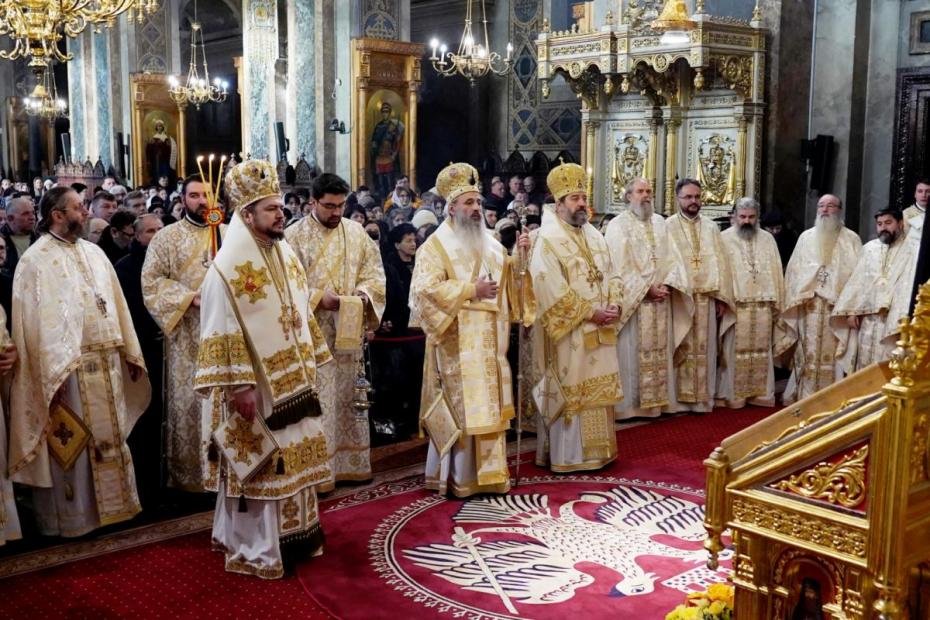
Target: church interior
(808,498)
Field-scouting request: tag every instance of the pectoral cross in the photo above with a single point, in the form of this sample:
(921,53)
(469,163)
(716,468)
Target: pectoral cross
(101,304)
(822,275)
(696,261)
(63,434)
(289,320)
(595,276)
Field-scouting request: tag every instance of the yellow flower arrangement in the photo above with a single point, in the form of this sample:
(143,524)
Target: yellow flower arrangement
(714,604)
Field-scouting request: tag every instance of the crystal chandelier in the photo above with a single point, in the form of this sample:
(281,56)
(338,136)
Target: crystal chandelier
(473,60)
(44,101)
(197,90)
(36,27)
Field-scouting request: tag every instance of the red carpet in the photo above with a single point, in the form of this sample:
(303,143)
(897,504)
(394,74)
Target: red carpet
(182,578)
(625,542)
(179,578)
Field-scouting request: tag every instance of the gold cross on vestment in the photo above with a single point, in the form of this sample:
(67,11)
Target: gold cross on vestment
(63,434)
(289,320)
(101,305)
(822,275)
(595,276)
(696,260)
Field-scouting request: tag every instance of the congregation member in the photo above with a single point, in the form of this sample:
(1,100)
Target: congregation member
(103,205)
(135,202)
(496,200)
(19,230)
(115,238)
(876,296)
(260,352)
(656,303)
(821,264)
(577,292)
(80,381)
(346,279)
(710,283)
(176,262)
(461,295)
(746,370)
(145,441)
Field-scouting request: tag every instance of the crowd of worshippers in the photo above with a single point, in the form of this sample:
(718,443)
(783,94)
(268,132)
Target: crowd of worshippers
(274,314)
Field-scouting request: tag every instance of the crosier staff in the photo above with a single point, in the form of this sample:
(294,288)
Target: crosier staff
(524,260)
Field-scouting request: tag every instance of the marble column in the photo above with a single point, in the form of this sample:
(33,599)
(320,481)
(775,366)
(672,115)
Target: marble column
(76,99)
(302,84)
(342,32)
(259,50)
(103,138)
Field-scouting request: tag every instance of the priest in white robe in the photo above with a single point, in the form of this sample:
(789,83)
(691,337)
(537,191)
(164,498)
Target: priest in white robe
(876,296)
(914,215)
(9,519)
(746,371)
(80,382)
(462,296)
(577,291)
(260,348)
(347,295)
(175,265)
(711,285)
(820,265)
(656,303)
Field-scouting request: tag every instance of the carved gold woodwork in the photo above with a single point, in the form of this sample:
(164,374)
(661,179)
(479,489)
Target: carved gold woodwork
(717,169)
(832,494)
(604,63)
(840,483)
(629,162)
(384,71)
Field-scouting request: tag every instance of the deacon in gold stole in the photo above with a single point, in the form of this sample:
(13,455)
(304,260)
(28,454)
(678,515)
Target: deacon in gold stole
(260,348)
(347,294)
(877,295)
(80,383)
(175,264)
(748,374)
(461,294)
(656,303)
(577,292)
(820,265)
(710,282)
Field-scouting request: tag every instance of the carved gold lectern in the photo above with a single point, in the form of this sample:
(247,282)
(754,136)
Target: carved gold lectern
(828,500)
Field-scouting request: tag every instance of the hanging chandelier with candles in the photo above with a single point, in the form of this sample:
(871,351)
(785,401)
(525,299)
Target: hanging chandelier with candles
(197,90)
(473,60)
(36,27)
(44,101)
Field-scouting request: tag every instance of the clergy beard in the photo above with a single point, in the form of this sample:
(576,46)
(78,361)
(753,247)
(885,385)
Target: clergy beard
(829,225)
(195,216)
(747,232)
(470,232)
(887,237)
(642,211)
(579,218)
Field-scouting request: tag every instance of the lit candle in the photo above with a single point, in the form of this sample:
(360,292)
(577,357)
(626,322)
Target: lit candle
(433,43)
(509,50)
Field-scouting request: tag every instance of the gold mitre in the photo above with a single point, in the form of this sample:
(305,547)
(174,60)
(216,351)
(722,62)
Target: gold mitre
(456,179)
(251,181)
(566,179)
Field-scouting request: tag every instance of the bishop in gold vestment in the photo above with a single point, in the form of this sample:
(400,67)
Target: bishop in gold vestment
(175,265)
(347,295)
(656,303)
(876,296)
(461,295)
(577,291)
(80,384)
(711,284)
(818,270)
(260,349)
(746,367)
